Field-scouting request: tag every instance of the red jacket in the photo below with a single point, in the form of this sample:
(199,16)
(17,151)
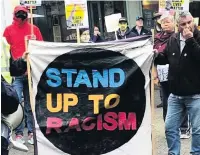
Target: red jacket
(15,34)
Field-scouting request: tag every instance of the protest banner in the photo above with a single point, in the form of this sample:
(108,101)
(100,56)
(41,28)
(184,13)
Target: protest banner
(92,98)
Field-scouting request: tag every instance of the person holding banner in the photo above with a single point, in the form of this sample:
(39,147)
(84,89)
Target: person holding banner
(124,31)
(182,53)
(15,35)
(160,42)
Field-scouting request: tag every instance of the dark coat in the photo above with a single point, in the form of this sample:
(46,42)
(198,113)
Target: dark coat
(128,34)
(184,67)
(96,39)
(143,31)
(17,67)
(9,98)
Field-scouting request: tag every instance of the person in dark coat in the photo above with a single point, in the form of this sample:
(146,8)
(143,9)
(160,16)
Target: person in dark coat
(9,99)
(139,28)
(124,31)
(96,37)
(160,42)
(182,53)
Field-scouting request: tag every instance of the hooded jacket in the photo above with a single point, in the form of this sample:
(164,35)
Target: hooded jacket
(128,34)
(16,32)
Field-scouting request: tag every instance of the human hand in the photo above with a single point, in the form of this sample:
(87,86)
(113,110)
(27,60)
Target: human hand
(187,33)
(25,55)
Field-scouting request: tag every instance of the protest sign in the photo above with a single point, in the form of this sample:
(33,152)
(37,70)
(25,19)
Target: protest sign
(76,14)
(92,98)
(163,72)
(177,5)
(112,22)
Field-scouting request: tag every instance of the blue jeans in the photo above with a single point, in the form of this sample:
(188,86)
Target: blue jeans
(178,106)
(21,85)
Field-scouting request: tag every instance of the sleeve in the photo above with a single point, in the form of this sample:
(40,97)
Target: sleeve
(161,58)
(149,32)
(155,46)
(94,38)
(7,35)
(18,66)
(9,98)
(194,46)
(38,34)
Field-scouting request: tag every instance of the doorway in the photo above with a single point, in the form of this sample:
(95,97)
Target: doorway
(95,15)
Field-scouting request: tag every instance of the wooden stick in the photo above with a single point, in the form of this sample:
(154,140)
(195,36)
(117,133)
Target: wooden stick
(152,110)
(29,77)
(31,13)
(78,34)
(153,104)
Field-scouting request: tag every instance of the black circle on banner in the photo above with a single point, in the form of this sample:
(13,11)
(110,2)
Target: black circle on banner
(91,142)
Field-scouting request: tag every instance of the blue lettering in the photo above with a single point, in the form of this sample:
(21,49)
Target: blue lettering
(82,78)
(69,73)
(52,73)
(97,77)
(112,78)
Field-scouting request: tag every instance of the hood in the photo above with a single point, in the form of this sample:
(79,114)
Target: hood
(18,21)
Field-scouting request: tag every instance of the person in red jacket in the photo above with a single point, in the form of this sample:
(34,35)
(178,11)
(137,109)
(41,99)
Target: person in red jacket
(18,30)
(15,35)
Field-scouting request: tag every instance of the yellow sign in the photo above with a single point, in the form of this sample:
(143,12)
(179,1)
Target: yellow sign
(178,5)
(76,14)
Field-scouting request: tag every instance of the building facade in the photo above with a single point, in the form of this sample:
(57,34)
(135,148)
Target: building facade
(53,24)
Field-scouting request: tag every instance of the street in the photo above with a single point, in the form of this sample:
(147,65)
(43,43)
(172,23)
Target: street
(160,141)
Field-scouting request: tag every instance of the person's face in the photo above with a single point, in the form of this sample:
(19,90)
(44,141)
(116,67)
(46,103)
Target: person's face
(123,26)
(85,36)
(96,30)
(21,15)
(139,22)
(186,23)
(167,25)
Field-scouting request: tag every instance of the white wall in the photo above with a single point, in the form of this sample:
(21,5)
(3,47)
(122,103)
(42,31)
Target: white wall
(6,14)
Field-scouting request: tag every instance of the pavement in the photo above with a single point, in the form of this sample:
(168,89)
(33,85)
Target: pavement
(158,128)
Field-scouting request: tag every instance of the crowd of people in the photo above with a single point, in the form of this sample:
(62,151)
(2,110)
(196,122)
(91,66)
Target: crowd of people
(178,53)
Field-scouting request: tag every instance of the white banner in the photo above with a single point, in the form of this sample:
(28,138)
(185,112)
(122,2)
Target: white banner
(92,98)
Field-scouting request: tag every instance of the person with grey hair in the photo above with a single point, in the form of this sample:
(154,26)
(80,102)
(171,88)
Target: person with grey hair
(160,42)
(182,53)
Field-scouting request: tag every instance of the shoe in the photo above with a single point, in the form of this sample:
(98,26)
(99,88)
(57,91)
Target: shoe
(30,138)
(159,106)
(20,139)
(186,135)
